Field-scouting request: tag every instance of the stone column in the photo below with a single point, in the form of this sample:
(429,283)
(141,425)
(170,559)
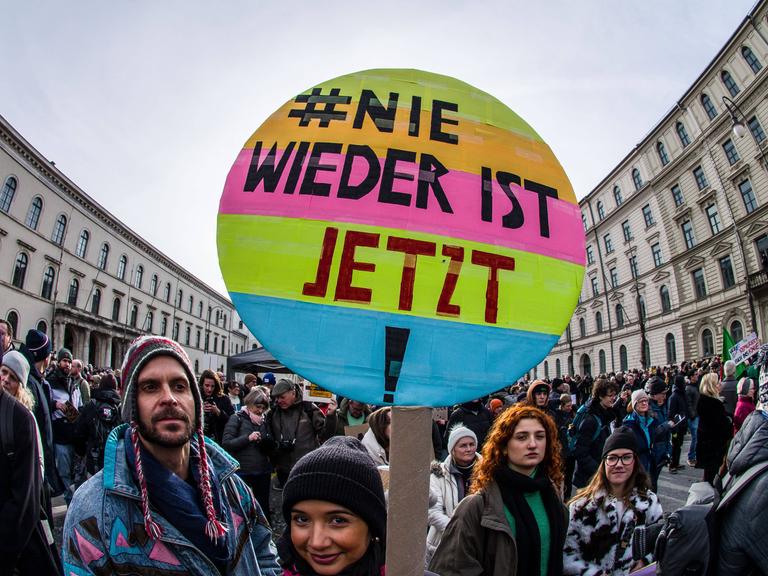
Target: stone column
(58,334)
(85,348)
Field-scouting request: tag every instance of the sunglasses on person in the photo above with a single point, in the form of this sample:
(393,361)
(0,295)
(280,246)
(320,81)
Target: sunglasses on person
(626,459)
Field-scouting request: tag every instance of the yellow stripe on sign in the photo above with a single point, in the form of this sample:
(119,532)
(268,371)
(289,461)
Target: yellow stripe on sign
(479,145)
(280,257)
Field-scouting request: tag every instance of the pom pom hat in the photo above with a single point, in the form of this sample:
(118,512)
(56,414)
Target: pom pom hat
(141,351)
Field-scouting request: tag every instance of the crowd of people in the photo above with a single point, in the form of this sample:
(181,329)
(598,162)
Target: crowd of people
(166,471)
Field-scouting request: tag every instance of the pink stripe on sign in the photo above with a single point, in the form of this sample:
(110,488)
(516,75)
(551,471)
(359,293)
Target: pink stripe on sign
(462,190)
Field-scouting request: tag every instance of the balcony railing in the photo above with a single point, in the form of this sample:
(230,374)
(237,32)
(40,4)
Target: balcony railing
(758,281)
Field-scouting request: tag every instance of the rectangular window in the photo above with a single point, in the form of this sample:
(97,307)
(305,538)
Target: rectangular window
(633,266)
(726,271)
(648,215)
(656,251)
(627,231)
(690,241)
(756,129)
(608,243)
(748,195)
(590,255)
(699,285)
(614,278)
(730,152)
(714,219)
(701,179)
(584,221)
(595,288)
(677,195)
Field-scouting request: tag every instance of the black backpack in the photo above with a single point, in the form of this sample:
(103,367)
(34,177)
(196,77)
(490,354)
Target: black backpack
(688,542)
(106,417)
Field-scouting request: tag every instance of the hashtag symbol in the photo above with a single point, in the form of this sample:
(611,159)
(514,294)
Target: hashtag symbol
(324,115)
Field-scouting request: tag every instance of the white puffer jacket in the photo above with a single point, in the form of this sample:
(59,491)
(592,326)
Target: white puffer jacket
(375,449)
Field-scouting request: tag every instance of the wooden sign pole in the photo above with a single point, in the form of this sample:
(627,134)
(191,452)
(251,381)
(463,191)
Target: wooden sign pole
(410,454)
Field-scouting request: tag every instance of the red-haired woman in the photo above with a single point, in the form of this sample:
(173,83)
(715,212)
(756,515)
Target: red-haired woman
(513,521)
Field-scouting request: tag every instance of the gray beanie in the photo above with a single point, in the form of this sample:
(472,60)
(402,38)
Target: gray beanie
(17,364)
(457,434)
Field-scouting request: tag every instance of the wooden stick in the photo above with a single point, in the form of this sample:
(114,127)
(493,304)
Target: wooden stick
(410,454)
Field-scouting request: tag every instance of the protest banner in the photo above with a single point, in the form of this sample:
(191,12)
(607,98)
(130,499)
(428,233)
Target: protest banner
(745,349)
(314,393)
(402,238)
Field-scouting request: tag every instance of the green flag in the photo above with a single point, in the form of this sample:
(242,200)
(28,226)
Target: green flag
(728,343)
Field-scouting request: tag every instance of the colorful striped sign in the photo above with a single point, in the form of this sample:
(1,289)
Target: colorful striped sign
(400,237)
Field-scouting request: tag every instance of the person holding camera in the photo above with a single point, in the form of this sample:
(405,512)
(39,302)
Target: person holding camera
(216,406)
(295,426)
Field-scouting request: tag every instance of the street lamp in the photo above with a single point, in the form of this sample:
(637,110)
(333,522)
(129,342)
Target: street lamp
(738,127)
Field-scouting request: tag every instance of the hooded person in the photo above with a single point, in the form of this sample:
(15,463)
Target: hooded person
(538,396)
(166,496)
(25,536)
(376,439)
(97,419)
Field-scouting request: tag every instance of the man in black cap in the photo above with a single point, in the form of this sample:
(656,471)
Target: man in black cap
(65,406)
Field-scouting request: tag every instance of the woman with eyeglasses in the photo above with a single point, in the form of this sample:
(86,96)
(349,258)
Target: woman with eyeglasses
(605,513)
(648,431)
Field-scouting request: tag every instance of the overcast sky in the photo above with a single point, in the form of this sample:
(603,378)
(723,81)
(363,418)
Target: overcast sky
(145,104)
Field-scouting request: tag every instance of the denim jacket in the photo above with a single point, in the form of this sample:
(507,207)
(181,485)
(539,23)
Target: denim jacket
(104,528)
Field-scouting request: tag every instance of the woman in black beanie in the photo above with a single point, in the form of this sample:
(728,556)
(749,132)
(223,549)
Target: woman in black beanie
(335,513)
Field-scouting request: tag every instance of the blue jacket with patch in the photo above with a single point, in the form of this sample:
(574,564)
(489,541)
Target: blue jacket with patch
(104,528)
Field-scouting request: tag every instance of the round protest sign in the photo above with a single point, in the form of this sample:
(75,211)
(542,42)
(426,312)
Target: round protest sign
(401,237)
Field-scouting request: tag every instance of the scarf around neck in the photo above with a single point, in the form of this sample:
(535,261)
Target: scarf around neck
(513,487)
(179,502)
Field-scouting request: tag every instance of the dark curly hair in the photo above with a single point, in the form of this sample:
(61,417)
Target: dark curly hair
(495,446)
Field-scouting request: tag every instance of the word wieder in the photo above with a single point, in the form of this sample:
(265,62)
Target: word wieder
(267,173)
(412,249)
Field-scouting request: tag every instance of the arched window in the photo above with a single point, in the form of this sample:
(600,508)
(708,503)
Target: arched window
(215,343)
(641,307)
(20,271)
(122,264)
(682,133)
(13,320)
(59,229)
(153,285)
(103,257)
(82,244)
(707,343)
(223,345)
(167,293)
(218,316)
(623,362)
(666,302)
(582,328)
(191,303)
(175,331)
(164,326)
(6,197)
(134,319)
(74,290)
(187,335)
(42,326)
(139,276)
(619,316)
(557,368)
(179,299)
(197,367)
(48,280)
(636,179)
(148,323)
(200,310)
(617,195)
(669,343)
(601,360)
(600,209)
(224,321)
(647,350)
(709,108)
(730,83)
(546,369)
(571,371)
(197,339)
(116,310)
(96,302)
(662,152)
(751,59)
(599,321)
(35,209)
(737,331)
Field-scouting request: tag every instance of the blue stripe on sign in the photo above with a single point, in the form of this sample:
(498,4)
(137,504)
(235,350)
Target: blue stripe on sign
(342,349)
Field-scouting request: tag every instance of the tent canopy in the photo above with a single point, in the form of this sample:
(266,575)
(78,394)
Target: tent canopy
(256,360)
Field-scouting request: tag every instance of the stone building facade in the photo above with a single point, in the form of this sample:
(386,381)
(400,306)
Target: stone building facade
(72,269)
(676,232)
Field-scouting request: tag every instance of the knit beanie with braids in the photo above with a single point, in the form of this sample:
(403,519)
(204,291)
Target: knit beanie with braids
(142,350)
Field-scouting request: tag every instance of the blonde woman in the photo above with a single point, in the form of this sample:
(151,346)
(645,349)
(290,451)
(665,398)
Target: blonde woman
(715,428)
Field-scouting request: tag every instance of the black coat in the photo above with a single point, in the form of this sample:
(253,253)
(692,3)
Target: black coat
(678,406)
(41,393)
(715,430)
(213,426)
(472,415)
(20,485)
(252,456)
(588,451)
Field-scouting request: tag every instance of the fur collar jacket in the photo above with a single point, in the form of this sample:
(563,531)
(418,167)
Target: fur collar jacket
(599,538)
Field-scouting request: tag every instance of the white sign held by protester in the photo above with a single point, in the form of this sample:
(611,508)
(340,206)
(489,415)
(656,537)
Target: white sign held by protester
(745,348)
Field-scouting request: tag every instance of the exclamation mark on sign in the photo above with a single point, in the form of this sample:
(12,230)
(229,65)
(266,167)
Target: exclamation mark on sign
(394,352)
